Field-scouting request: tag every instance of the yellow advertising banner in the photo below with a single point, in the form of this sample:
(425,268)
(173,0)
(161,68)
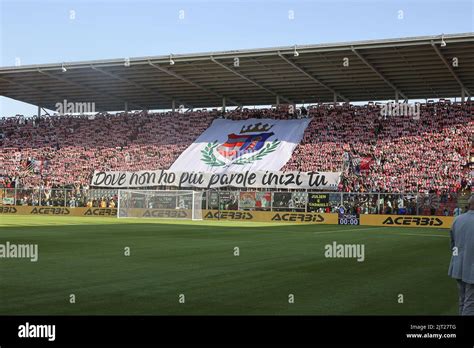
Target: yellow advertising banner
(236,215)
(59,211)
(111,212)
(407,221)
(156,213)
(270,216)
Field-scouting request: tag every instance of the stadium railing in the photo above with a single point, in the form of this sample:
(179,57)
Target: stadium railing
(296,201)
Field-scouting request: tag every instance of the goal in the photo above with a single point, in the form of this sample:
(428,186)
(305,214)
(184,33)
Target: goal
(160,204)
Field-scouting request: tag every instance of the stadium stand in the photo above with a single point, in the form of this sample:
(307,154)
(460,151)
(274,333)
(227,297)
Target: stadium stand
(403,154)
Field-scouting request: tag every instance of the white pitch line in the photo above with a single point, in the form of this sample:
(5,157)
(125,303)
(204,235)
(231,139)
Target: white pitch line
(421,235)
(351,229)
(385,227)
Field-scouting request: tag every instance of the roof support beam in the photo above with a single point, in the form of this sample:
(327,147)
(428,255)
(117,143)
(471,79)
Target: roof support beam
(36,89)
(185,79)
(123,79)
(345,74)
(416,72)
(307,74)
(256,83)
(395,88)
(85,87)
(45,111)
(450,68)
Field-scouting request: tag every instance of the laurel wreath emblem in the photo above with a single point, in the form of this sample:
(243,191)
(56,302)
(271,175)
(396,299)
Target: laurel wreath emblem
(210,159)
(208,156)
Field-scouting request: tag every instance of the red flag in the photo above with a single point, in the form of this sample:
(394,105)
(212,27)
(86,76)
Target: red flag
(366,163)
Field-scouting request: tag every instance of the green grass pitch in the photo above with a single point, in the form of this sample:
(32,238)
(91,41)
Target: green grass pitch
(85,257)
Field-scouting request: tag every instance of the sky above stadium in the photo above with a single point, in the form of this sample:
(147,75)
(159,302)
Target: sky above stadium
(52,31)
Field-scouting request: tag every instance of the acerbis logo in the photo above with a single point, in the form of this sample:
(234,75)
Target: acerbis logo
(230,215)
(50,211)
(303,217)
(165,213)
(413,220)
(101,212)
(8,210)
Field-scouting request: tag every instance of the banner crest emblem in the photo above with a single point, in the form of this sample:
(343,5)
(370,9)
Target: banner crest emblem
(242,148)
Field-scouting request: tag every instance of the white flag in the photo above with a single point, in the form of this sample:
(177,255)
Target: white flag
(246,145)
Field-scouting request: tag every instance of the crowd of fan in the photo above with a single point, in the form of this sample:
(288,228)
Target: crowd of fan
(408,155)
(71,148)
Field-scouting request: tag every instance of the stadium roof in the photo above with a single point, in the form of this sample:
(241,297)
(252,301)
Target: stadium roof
(412,68)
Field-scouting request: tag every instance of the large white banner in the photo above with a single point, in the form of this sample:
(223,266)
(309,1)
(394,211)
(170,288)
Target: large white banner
(238,146)
(246,179)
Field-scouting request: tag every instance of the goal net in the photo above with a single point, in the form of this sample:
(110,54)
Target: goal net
(184,205)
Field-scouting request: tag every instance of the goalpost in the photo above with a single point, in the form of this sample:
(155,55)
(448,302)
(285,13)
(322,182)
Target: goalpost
(160,204)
